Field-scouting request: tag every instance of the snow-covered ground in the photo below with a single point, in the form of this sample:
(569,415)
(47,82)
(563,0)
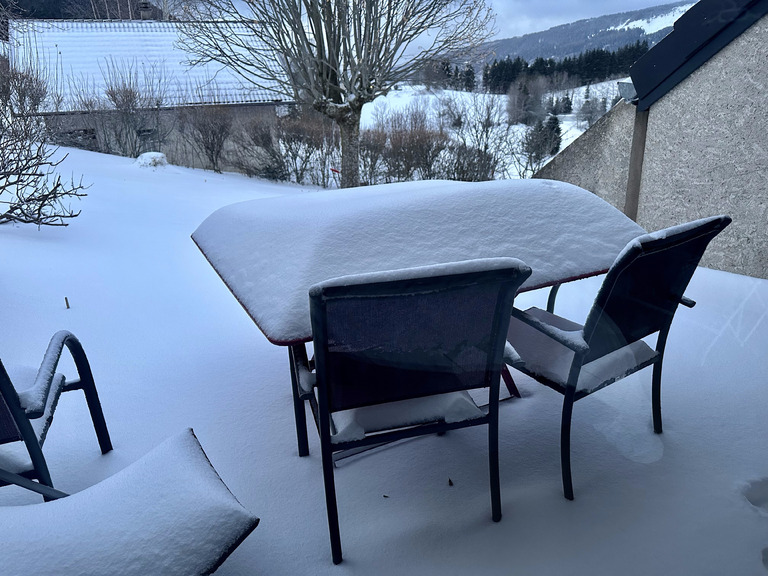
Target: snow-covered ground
(170,348)
(430,98)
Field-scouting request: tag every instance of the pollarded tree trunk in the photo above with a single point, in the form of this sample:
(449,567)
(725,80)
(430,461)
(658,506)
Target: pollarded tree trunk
(347,117)
(349,126)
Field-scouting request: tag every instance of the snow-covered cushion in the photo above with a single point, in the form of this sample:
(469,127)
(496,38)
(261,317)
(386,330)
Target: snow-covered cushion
(450,407)
(14,456)
(543,356)
(168,513)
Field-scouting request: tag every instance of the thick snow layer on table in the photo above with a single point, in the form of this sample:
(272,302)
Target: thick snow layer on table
(168,513)
(269,252)
(431,271)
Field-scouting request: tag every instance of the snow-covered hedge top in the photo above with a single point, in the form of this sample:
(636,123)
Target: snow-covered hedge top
(270,251)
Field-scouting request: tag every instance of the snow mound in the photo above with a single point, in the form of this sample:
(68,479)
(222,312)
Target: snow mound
(151,160)
(168,513)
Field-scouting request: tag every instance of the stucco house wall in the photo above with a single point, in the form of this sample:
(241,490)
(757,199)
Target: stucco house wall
(599,159)
(707,153)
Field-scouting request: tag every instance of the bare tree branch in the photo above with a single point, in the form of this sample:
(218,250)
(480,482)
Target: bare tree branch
(30,189)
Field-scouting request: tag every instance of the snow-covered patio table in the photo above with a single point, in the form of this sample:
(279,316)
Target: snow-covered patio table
(270,251)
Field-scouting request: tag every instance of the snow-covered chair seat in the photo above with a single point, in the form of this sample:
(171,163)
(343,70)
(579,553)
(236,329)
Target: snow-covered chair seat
(28,399)
(397,351)
(638,298)
(169,513)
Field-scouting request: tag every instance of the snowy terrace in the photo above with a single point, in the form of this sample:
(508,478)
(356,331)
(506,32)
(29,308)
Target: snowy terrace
(171,348)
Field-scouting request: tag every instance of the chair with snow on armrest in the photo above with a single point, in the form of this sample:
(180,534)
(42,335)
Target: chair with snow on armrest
(396,353)
(28,399)
(638,298)
(169,513)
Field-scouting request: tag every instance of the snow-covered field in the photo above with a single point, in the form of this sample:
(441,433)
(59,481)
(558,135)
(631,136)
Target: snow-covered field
(170,348)
(430,98)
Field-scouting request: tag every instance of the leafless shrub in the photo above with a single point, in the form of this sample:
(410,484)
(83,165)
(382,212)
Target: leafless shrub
(207,129)
(415,143)
(298,140)
(126,117)
(480,136)
(373,146)
(257,151)
(301,146)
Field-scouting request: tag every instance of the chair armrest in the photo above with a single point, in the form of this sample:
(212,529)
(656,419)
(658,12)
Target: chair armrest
(33,399)
(511,357)
(572,339)
(687,302)
(307,380)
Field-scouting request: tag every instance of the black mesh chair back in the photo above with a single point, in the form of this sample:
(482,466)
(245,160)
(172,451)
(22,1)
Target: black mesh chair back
(391,341)
(643,288)
(403,336)
(9,430)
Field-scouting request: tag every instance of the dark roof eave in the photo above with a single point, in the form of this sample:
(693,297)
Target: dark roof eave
(708,27)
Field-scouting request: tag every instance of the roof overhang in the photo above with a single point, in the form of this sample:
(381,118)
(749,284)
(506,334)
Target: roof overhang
(699,34)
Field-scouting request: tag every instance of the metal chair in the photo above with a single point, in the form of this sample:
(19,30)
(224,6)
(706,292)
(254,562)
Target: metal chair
(396,353)
(27,404)
(638,298)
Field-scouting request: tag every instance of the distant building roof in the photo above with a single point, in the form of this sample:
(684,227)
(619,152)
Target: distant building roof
(80,56)
(700,33)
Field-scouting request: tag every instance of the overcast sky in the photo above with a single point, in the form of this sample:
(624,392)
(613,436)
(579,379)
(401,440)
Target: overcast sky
(518,17)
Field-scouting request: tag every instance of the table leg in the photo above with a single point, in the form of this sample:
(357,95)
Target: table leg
(298,353)
(552,297)
(509,382)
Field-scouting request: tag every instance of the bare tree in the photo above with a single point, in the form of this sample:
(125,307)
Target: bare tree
(30,189)
(335,55)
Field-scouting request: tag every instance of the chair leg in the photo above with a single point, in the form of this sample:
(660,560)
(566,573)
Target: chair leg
(552,297)
(493,459)
(88,386)
(97,417)
(40,466)
(565,444)
(330,504)
(299,413)
(656,397)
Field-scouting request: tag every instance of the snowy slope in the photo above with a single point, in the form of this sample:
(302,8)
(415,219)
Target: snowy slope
(655,23)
